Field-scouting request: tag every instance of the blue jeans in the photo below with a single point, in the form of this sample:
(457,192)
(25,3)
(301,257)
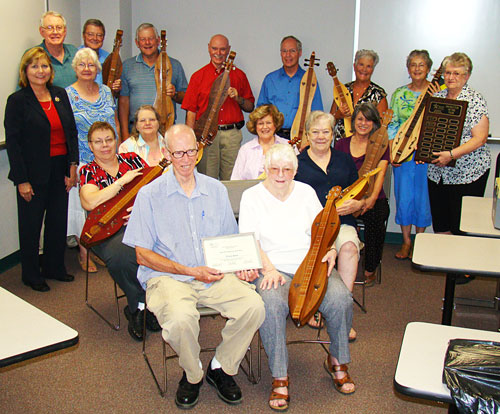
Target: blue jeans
(337,312)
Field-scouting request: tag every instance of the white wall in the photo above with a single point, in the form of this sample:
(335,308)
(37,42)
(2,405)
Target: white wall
(255,29)
(22,25)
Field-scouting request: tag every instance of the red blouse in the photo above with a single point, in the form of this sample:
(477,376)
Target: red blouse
(57,136)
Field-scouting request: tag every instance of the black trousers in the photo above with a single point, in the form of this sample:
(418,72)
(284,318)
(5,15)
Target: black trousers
(446,202)
(122,265)
(374,221)
(50,199)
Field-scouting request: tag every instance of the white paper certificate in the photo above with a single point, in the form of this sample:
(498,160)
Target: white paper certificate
(231,253)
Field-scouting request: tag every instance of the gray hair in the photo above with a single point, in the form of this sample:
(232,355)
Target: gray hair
(145,26)
(458,59)
(315,116)
(299,43)
(362,53)
(424,54)
(176,129)
(52,13)
(281,152)
(86,53)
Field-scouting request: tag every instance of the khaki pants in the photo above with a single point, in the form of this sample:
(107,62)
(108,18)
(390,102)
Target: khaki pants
(174,304)
(219,158)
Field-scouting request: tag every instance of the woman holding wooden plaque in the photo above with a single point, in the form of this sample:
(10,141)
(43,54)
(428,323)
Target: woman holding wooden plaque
(447,185)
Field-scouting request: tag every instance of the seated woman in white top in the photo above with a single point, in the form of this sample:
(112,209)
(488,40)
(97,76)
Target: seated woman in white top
(146,140)
(263,122)
(280,211)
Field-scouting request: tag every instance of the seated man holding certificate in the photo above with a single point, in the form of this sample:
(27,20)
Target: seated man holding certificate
(280,211)
(170,217)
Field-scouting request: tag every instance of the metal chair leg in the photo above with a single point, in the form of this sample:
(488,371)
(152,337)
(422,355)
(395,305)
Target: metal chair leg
(115,326)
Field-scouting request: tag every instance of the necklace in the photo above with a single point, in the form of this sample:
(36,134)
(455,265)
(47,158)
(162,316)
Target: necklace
(46,109)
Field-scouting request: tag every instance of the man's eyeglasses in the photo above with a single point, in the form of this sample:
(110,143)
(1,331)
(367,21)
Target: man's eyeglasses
(99,36)
(179,154)
(57,28)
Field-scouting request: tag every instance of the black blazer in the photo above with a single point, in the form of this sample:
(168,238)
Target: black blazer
(27,134)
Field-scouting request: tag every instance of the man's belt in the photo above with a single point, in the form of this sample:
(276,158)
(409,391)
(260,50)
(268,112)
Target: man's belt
(227,127)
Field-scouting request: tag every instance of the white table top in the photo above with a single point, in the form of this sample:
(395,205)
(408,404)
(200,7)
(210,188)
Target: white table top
(476,217)
(28,332)
(420,366)
(457,254)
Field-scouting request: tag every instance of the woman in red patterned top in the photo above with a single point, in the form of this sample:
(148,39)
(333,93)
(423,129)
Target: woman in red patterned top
(42,146)
(100,181)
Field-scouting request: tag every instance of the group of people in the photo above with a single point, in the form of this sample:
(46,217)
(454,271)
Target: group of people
(67,138)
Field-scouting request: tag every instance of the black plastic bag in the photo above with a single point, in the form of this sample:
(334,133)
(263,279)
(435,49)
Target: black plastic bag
(472,374)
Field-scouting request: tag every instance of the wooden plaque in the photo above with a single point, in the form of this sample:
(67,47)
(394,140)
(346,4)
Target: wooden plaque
(441,128)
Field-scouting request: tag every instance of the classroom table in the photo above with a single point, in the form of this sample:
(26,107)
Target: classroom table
(456,255)
(419,371)
(475,218)
(27,332)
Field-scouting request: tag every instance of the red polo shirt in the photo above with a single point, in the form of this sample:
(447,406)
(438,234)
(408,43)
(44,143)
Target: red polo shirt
(198,92)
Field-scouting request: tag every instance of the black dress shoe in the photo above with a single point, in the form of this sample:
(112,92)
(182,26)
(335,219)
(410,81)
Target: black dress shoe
(62,278)
(135,323)
(227,389)
(187,394)
(39,287)
(151,322)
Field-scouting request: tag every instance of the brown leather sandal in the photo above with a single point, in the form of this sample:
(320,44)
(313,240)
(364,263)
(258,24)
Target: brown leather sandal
(278,396)
(339,383)
(404,252)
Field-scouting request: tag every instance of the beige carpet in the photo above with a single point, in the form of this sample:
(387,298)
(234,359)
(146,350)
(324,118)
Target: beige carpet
(106,373)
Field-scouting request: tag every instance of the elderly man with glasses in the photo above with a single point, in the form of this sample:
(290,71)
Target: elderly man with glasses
(170,217)
(53,30)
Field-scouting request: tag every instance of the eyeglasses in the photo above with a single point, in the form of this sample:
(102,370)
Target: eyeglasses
(179,154)
(99,36)
(448,74)
(51,28)
(285,51)
(101,142)
(418,65)
(82,65)
(284,170)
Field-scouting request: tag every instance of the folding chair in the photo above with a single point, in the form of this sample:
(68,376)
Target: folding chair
(112,325)
(204,312)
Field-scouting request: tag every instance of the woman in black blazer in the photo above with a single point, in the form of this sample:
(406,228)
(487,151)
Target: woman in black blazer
(42,147)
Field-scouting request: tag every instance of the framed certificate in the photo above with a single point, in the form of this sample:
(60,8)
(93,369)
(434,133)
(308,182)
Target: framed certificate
(231,253)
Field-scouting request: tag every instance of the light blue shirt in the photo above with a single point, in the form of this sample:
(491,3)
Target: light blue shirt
(283,91)
(102,55)
(171,224)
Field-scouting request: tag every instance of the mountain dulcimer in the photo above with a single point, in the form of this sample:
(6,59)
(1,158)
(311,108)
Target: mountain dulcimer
(163,77)
(342,97)
(112,66)
(309,283)
(308,86)
(406,139)
(107,218)
(206,125)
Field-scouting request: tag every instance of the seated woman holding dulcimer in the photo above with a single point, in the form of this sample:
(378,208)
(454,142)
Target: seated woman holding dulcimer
(264,121)
(375,210)
(146,139)
(281,211)
(362,90)
(101,180)
(323,167)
